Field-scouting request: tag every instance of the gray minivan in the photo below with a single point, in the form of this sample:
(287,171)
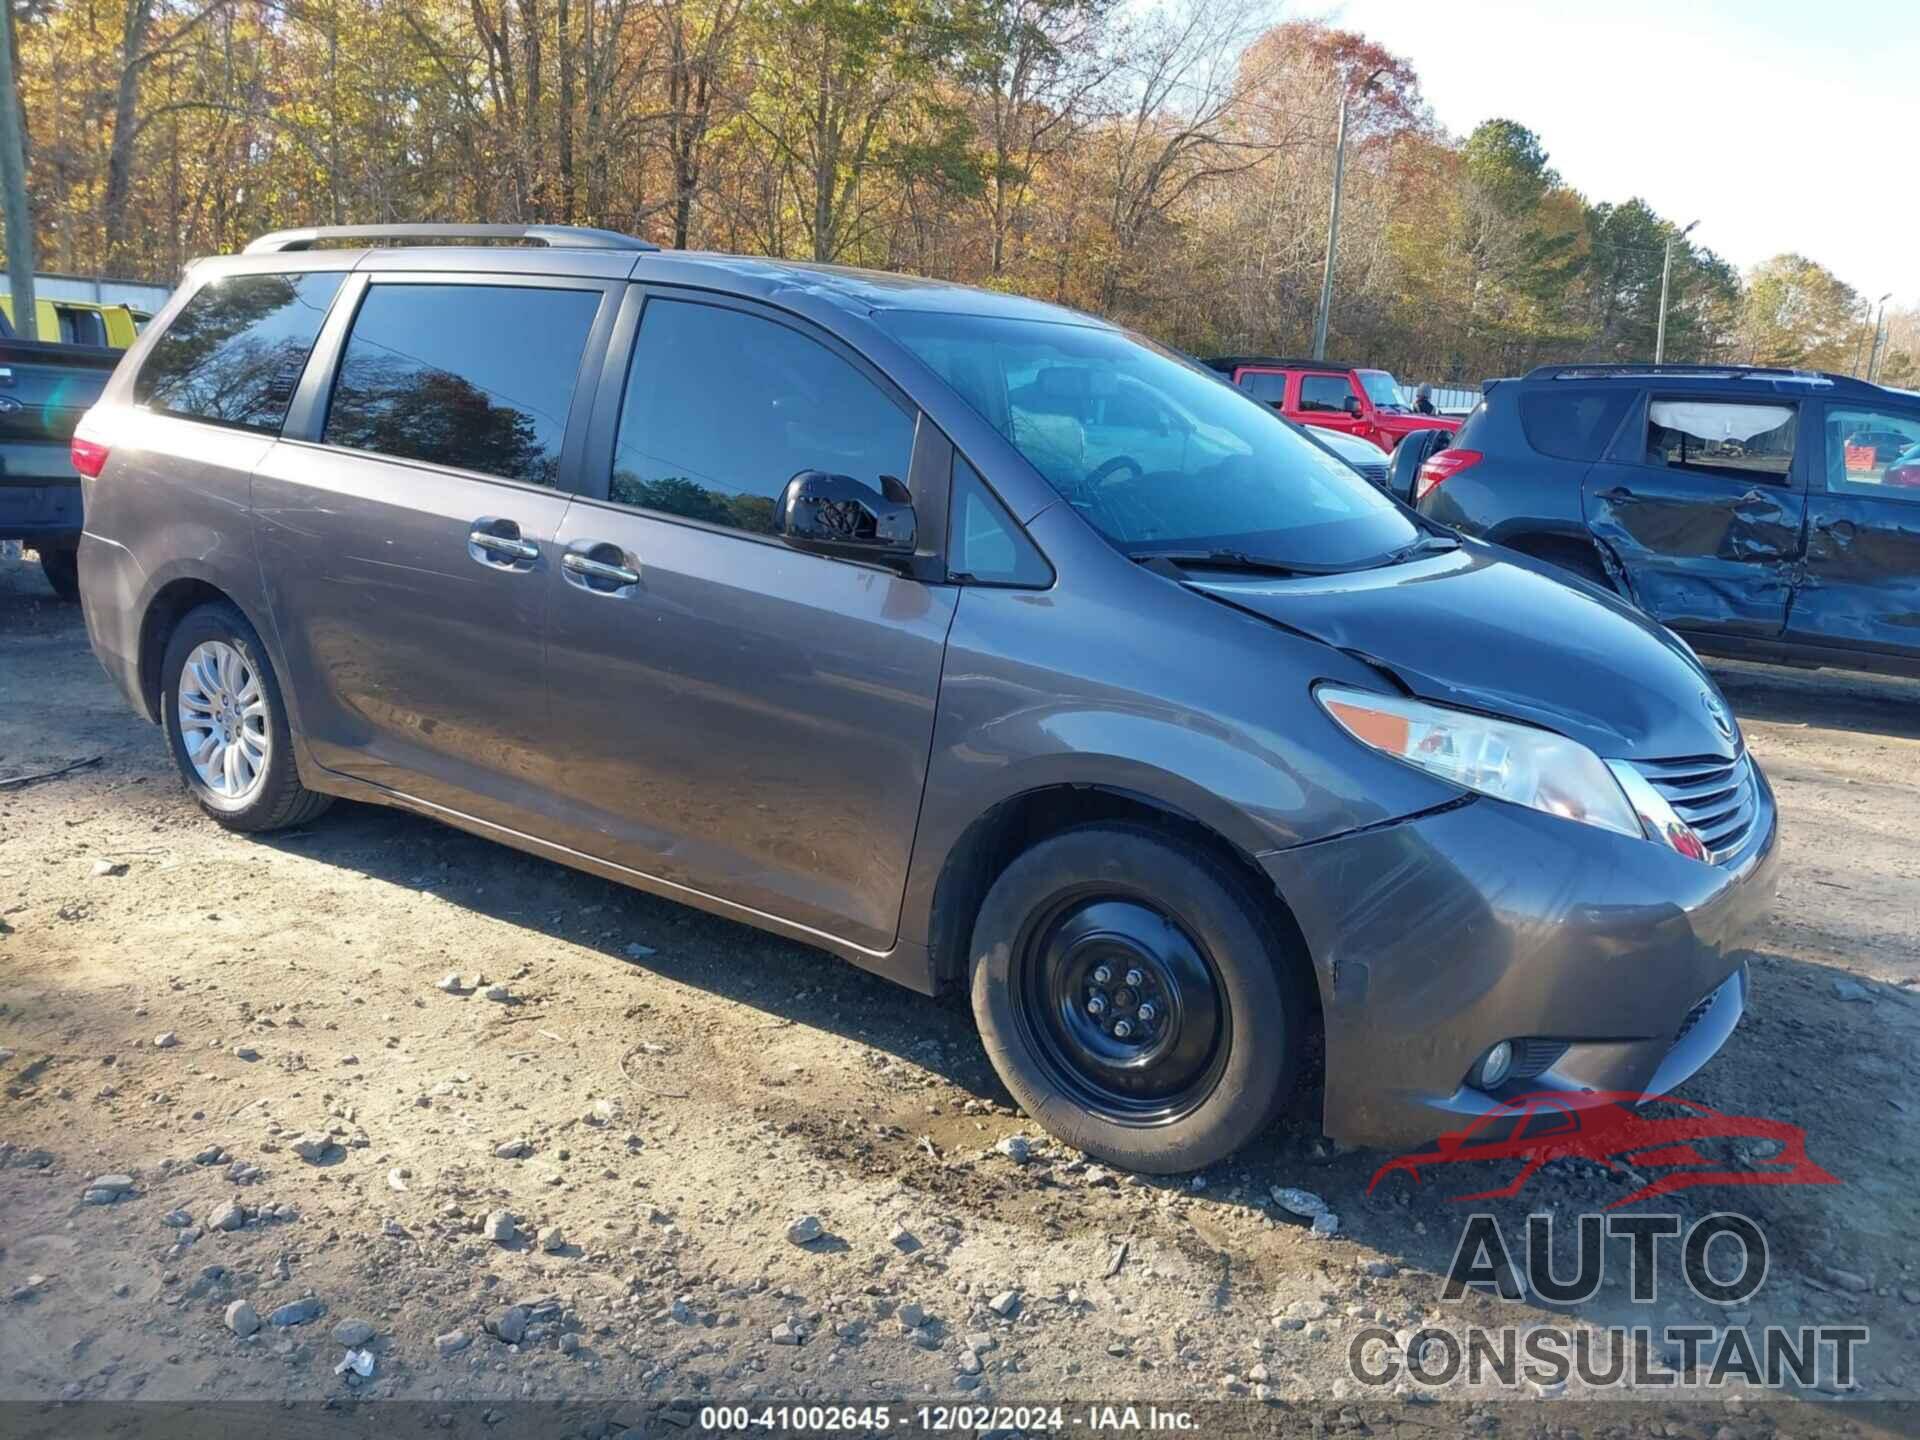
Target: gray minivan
(972,639)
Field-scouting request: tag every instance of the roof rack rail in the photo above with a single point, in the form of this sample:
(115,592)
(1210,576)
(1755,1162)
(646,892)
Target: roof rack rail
(1730,372)
(576,237)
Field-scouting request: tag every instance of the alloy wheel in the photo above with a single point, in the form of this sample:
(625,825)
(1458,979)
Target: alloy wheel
(224,725)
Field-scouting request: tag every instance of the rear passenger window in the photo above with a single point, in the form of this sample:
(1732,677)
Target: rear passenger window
(1737,440)
(1572,424)
(723,408)
(1324,392)
(1265,387)
(234,353)
(479,377)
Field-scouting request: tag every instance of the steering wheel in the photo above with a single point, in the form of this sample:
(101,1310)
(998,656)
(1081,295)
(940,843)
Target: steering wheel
(1113,467)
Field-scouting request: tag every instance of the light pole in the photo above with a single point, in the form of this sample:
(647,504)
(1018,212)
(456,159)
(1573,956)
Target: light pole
(1666,279)
(1873,355)
(1333,219)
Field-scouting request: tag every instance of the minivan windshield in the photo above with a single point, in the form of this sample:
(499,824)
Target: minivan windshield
(1157,455)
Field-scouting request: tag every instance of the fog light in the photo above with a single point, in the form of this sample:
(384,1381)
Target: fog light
(1492,1069)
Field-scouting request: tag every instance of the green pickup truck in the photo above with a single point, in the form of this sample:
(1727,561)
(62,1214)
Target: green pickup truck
(44,390)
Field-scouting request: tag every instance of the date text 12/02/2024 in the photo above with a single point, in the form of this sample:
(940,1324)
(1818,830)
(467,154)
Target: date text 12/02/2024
(935,1419)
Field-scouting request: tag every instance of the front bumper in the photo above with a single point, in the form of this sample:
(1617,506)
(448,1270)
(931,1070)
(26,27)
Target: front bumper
(1436,937)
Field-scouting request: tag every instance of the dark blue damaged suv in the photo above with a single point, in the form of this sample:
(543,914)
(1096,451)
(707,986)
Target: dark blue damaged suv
(1763,514)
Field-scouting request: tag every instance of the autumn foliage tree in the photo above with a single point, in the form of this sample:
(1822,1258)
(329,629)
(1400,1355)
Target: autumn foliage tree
(1167,164)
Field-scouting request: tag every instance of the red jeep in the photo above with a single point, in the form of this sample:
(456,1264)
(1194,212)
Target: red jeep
(1335,397)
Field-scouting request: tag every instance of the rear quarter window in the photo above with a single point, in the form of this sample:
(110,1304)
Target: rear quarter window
(234,353)
(1573,424)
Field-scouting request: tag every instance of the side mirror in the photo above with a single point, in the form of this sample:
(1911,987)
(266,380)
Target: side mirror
(839,515)
(1352,406)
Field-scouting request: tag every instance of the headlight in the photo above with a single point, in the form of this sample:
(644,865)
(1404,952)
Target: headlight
(1512,762)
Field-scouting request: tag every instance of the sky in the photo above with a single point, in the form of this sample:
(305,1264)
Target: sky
(1780,125)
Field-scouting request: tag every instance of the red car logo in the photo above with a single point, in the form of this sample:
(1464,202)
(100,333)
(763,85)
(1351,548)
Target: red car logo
(1607,1128)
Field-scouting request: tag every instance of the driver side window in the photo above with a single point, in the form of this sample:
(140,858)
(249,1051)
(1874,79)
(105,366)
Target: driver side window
(723,408)
(1324,392)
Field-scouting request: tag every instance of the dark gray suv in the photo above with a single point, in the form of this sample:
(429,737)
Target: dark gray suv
(972,639)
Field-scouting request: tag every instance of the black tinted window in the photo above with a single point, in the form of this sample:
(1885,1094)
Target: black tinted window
(476,376)
(983,543)
(82,327)
(1572,424)
(1265,386)
(234,354)
(1324,392)
(724,408)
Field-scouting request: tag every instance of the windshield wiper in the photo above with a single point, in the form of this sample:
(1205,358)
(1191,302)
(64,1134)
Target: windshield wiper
(1224,560)
(1425,545)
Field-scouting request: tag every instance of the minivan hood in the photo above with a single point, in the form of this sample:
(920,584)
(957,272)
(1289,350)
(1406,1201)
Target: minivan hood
(1486,630)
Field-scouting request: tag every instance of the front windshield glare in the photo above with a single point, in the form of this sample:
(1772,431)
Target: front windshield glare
(1157,455)
(1382,389)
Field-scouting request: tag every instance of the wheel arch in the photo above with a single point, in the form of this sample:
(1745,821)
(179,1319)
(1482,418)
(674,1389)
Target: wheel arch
(1018,822)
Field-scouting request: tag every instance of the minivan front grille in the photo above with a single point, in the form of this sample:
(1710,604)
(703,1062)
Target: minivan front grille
(1715,796)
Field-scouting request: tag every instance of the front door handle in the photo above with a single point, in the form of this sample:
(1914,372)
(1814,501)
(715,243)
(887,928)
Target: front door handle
(1839,529)
(1615,495)
(586,563)
(497,543)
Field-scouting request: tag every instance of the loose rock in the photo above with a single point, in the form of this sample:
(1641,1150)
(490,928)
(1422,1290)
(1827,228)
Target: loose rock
(785,1334)
(499,994)
(452,1343)
(230,1216)
(242,1318)
(297,1312)
(312,1147)
(513,1149)
(166,1040)
(353,1333)
(1005,1303)
(1016,1148)
(510,1324)
(501,1227)
(552,1239)
(805,1230)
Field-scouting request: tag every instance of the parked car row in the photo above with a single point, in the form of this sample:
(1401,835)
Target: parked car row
(972,639)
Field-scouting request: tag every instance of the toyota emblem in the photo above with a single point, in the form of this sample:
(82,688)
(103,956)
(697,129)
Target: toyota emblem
(1722,721)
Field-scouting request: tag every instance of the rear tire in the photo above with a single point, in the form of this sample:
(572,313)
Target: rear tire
(226,724)
(61,566)
(1114,918)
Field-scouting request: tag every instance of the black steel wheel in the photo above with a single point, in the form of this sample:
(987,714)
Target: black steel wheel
(1134,995)
(1123,1007)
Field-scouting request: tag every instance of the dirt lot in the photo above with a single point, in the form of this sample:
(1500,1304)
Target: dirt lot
(665,1093)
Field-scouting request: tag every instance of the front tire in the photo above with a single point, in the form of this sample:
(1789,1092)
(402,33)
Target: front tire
(226,724)
(1135,998)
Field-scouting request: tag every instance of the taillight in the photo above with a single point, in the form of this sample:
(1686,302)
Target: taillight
(1442,465)
(89,457)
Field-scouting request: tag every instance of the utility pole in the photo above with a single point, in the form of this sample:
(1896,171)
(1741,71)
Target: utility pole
(1666,279)
(1333,219)
(1873,355)
(13,193)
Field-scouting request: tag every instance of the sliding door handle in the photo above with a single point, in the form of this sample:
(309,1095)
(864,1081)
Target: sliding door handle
(584,569)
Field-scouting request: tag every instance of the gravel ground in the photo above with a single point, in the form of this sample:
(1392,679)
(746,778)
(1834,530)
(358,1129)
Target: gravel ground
(584,1195)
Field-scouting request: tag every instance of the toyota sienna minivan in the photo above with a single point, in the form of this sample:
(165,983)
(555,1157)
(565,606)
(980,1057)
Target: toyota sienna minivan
(972,639)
